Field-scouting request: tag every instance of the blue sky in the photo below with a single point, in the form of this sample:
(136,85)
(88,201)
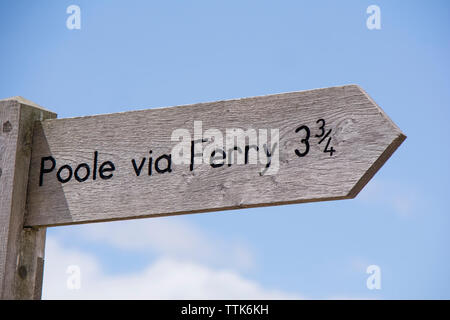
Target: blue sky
(142,54)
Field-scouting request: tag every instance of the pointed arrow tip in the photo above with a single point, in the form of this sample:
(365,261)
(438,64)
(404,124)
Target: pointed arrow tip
(376,165)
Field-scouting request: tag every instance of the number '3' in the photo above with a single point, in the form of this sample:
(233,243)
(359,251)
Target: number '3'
(305,141)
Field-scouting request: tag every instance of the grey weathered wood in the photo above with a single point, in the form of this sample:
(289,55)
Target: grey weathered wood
(21,249)
(362,135)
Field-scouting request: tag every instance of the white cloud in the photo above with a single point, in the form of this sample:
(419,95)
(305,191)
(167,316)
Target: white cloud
(161,234)
(359,264)
(166,278)
(401,197)
(166,236)
(355,297)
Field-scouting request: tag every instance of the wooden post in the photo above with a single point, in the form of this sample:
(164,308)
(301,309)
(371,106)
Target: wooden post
(21,249)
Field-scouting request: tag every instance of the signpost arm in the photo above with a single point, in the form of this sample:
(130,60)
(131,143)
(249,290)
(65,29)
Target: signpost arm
(21,249)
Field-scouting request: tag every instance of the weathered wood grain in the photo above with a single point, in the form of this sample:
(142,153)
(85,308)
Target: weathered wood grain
(362,135)
(21,250)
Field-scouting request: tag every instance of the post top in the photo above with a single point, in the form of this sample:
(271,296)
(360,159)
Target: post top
(24,101)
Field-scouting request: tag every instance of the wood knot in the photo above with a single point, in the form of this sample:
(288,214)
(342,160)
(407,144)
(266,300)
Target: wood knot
(7,126)
(22,272)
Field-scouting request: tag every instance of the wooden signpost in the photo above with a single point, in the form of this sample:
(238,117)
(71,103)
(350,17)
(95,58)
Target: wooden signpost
(316,145)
